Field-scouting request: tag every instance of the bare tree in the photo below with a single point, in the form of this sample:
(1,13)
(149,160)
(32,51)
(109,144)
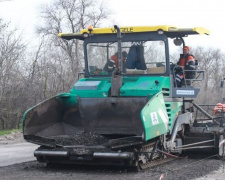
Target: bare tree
(70,16)
(11,77)
(212,61)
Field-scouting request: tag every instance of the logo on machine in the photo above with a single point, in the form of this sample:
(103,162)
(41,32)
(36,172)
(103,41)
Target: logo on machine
(123,30)
(154,118)
(185,92)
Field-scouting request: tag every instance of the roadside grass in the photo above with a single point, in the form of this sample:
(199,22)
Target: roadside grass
(4,132)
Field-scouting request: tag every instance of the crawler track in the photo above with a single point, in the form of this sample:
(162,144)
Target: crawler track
(148,149)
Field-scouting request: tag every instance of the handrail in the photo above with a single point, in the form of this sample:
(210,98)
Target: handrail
(174,75)
(198,71)
(185,79)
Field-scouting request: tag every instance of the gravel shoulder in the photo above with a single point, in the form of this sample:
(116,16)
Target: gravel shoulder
(15,137)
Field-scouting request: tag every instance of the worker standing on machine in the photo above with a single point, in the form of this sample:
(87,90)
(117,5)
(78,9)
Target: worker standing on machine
(187,62)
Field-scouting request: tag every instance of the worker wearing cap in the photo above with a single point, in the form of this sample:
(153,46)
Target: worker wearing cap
(187,62)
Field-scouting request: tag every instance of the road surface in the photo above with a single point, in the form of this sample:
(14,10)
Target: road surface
(16,153)
(16,162)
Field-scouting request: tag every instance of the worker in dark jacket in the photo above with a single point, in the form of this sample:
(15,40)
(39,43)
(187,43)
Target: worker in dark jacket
(113,62)
(187,62)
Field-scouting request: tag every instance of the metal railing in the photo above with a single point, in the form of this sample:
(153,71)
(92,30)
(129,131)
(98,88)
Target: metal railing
(185,80)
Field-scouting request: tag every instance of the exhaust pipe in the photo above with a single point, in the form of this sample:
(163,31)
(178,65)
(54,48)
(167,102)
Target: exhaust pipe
(124,155)
(116,79)
(120,67)
(51,153)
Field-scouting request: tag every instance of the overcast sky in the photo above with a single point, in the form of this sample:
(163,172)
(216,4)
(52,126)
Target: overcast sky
(192,13)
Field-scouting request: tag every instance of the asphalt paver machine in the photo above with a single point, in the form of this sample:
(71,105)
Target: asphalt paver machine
(130,113)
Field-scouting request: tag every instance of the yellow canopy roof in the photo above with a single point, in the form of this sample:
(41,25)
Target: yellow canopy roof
(170,31)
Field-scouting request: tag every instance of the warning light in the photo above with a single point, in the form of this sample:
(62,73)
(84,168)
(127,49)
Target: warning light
(90,28)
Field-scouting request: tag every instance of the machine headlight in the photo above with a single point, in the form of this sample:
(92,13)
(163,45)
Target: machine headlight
(85,35)
(160,31)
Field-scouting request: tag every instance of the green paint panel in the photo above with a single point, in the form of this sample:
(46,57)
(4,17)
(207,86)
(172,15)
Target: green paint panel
(132,86)
(154,117)
(173,108)
(144,86)
(96,88)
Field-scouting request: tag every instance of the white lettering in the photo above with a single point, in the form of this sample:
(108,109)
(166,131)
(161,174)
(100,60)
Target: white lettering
(185,92)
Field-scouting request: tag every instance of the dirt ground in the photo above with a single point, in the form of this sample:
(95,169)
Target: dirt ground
(15,137)
(200,166)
